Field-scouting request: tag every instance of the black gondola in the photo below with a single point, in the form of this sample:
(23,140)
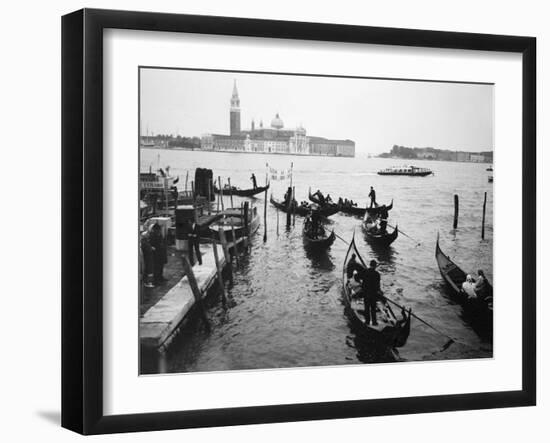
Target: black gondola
(374,236)
(321,241)
(241,192)
(390,331)
(315,199)
(302,209)
(454,276)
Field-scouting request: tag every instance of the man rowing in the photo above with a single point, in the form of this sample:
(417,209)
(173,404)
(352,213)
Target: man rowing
(372,195)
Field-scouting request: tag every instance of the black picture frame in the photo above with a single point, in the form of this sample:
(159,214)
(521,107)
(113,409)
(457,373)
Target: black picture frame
(82,218)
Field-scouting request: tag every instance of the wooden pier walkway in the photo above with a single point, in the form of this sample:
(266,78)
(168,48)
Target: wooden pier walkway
(159,323)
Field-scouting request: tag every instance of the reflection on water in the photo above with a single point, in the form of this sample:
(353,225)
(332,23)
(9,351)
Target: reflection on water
(285,309)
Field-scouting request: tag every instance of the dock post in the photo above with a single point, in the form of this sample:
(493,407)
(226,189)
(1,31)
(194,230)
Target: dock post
(230,191)
(193,190)
(265,215)
(186,179)
(219,271)
(223,240)
(289,207)
(195,288)
(455,221)
(221,190)
(235,244)
(483,220)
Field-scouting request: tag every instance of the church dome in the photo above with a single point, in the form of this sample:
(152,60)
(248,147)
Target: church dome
(277,123)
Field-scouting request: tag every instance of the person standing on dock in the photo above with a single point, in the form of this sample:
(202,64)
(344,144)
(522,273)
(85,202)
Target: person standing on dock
(372,195)
(147,251)
(194,244)
(158,244)
(371,290)
(254,183)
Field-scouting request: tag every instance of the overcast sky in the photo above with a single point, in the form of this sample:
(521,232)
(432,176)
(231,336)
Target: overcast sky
(376,114)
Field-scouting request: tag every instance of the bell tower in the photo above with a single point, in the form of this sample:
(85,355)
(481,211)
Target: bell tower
(235,112)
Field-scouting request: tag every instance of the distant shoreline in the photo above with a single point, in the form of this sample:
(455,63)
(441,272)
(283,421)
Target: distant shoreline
(244,152)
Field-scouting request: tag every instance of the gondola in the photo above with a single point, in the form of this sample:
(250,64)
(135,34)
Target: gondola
(301,209)
(374,237)
(390,332)
(319,242)
(454,276)
(242,192)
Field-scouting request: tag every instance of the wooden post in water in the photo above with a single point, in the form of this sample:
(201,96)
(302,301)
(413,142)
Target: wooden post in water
(193,190)
(230,191)
(186,179)
(455,221)
(219,271)
(483,220)
(221,190)
(235,250)
(265,214)
(277,209)
(226,254)
(195,289)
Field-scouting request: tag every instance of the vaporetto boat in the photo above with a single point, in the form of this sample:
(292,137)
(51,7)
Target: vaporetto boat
(413,171)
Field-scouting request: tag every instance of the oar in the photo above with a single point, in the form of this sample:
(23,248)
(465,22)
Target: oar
(451,339)
(406,235)
(347,243)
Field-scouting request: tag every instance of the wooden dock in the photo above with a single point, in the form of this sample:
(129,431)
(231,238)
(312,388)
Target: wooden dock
(159,323)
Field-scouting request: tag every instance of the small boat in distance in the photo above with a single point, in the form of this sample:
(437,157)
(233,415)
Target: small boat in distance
(413,171)
(490,168)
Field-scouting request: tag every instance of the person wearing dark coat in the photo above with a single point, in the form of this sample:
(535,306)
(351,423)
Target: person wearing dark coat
(194,244)
(158,244)
(253,178)
(372,195)
(148,259)
(371,289)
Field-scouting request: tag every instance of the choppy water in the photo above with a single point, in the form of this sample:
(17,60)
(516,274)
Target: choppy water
(286,308)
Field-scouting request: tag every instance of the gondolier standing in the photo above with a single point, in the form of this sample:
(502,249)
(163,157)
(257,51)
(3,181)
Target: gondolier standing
(372,195)
(253,178)
(371,289)
(193,238)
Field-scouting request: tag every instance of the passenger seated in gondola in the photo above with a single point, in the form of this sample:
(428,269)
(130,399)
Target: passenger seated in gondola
(328,200)
(371,224)
(469,287)
(340,201)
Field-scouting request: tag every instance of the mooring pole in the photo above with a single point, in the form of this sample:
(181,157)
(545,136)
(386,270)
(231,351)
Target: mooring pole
(195,289)
(455,221)
(483,220)
(219,271)
(235,250)
(193,190)
(226,254)
(265,214)
(221,190)
(186,179)
(230,191)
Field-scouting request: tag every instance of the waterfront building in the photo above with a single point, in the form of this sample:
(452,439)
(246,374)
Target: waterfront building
(274,139)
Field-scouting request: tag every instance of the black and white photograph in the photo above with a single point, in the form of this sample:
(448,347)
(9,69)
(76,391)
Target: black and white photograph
(290,220)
